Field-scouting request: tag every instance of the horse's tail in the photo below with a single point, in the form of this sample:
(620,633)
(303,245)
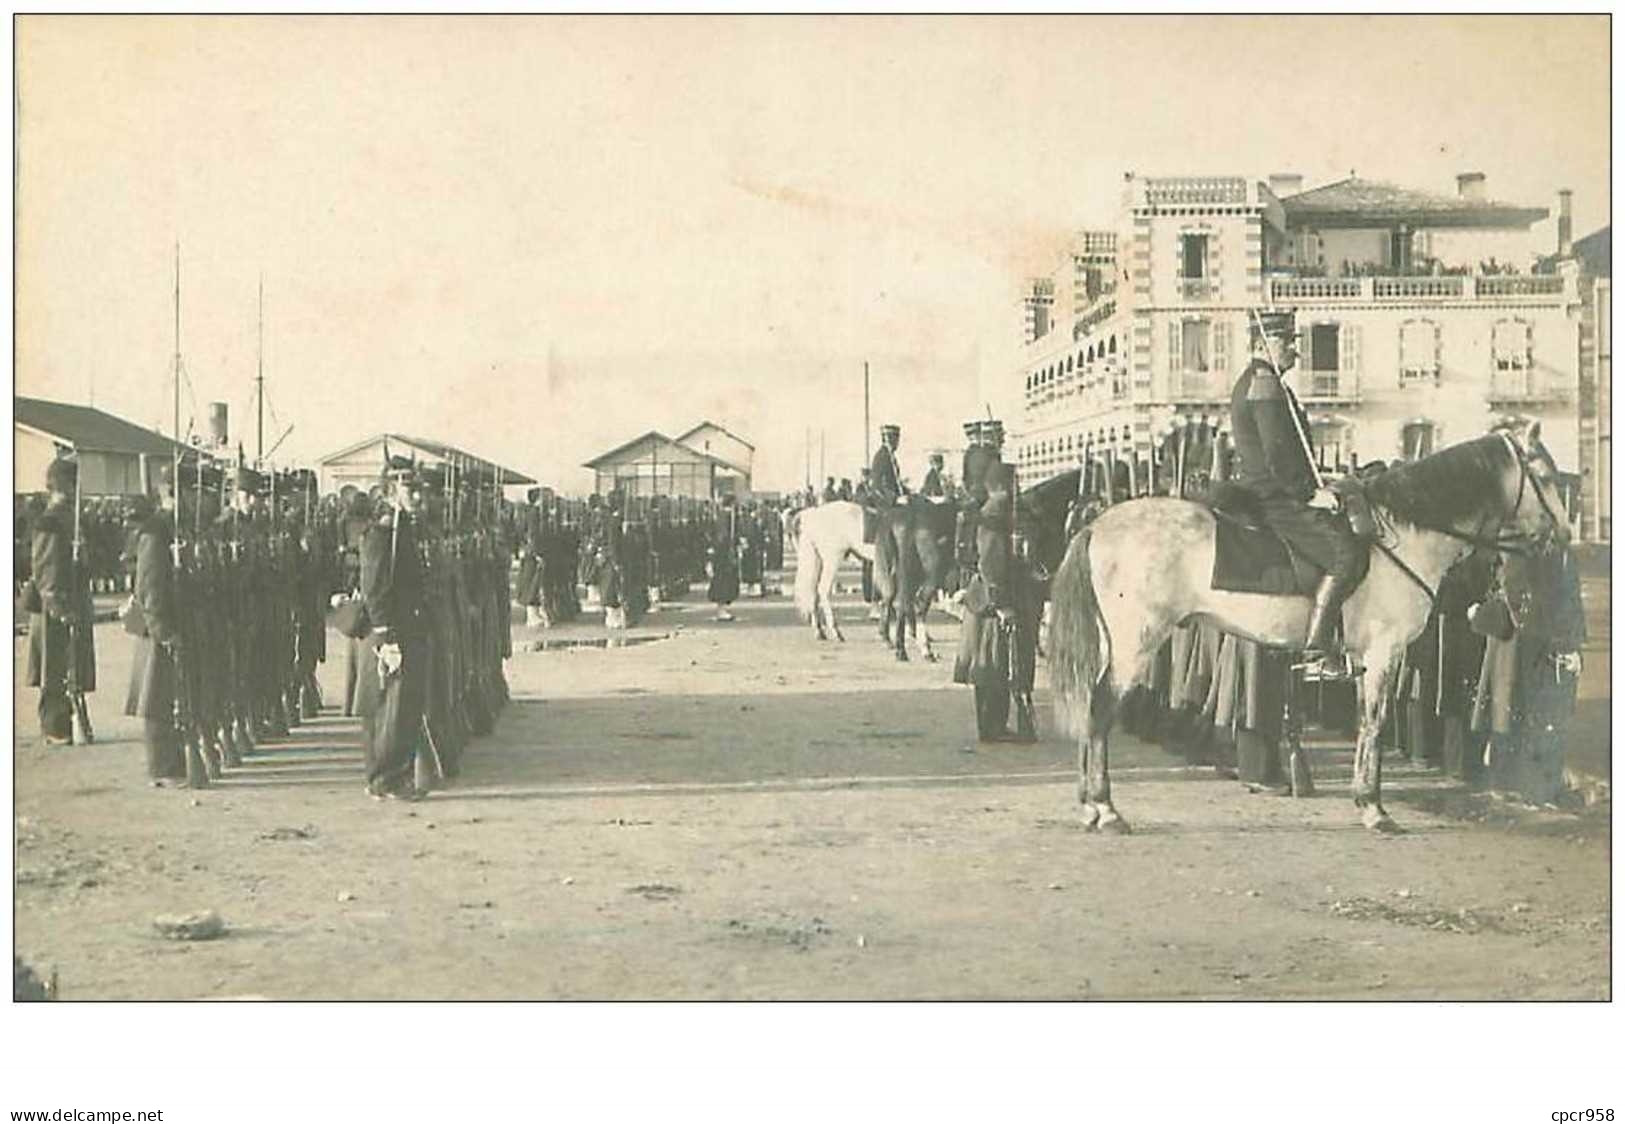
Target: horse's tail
(1078,665)
(808,566)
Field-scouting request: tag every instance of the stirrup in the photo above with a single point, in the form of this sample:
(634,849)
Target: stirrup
(1325,667)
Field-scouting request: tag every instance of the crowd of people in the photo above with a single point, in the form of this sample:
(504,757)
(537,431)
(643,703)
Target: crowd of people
(635,551)
(232,576)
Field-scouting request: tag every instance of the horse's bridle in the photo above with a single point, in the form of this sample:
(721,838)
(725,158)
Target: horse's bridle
(1519,542)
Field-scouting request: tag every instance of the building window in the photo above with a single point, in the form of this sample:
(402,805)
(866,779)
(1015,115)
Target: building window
(1418,350)
(1416,440)
(1193,256)
(1322,347)
(1399,250)
(1111,345)
(1510,344)
(1195,345)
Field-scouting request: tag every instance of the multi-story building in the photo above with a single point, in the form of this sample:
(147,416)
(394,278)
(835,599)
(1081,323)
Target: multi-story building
(1419,321)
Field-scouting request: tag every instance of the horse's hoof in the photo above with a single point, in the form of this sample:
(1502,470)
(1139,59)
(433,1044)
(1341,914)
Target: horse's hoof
(1112,824)
(1091,813)
(1377,820)
(902,657)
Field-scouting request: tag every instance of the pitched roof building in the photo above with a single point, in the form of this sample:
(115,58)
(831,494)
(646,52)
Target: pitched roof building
(706,462)
(359,465)
(116,457)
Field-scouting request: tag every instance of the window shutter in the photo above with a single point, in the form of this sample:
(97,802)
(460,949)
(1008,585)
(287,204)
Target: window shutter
(1221,346)
(1175,353)
(1306,358)
(1348,345)
(1438,352)
(1211,265)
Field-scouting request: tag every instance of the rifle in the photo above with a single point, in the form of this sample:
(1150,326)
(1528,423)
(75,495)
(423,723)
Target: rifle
(80,730)
(197,773)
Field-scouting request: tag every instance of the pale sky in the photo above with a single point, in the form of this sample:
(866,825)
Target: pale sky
(538,237)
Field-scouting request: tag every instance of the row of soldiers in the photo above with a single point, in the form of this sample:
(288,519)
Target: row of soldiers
(635,551)
(107,528)
(234,574)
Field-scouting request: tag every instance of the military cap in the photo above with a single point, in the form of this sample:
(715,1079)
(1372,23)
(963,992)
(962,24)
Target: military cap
(61,473)
(1276,324)
(891,431)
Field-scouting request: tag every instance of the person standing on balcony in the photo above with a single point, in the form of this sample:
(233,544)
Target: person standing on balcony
(1269,431)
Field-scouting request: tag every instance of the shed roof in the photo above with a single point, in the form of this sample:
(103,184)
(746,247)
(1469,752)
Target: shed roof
(91,430)
(434,448)
(618,452)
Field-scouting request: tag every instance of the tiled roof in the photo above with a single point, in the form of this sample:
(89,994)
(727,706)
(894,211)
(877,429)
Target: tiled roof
(89,429)
(1374,201)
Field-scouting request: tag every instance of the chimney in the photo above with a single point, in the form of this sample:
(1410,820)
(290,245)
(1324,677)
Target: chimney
(217,425)
(1470,185)
(1565,222)
(1283,184)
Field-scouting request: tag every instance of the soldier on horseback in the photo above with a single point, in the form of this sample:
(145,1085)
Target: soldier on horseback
(1270,433)
(885,478)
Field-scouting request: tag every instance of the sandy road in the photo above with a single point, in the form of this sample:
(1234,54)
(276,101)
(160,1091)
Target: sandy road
(739,812)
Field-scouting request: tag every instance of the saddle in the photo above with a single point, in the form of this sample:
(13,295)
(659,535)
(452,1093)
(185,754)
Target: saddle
(1250,557)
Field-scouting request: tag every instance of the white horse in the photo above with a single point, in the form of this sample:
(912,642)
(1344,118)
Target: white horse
(1145,566)
(827,534)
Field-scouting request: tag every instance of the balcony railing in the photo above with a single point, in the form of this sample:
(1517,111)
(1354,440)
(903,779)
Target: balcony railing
(1329,386)
(1198,288)
(1371,290)
(1185,190)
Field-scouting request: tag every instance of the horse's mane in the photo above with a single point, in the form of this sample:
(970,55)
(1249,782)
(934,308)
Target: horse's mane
(1043,494)
(1461,482)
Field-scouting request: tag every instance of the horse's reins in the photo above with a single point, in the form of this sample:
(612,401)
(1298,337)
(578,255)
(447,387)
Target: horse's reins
(1520,543)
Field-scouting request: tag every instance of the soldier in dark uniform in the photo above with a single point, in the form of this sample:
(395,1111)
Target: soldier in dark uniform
(990,608)
(393,687)
(154,617)
(724,589)
(932,484)
(58,632)
(831,493)
(885,476)
(1270,434)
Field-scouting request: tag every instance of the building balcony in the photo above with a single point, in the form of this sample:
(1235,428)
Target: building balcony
(1328,387)
(1555,289)
(1525,387)
(1198,288)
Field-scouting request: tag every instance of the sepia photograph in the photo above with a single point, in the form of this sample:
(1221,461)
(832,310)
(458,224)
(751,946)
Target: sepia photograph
(812,507)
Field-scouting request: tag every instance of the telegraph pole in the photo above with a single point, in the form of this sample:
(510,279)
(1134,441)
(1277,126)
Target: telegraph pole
(259,379)
(821,454)
(177,429)
(865,413)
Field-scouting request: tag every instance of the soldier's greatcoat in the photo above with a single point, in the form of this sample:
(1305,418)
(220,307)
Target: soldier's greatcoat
(64,601)
(392,707)
(1275,467)
(153,677)
(724,588)
(885,484)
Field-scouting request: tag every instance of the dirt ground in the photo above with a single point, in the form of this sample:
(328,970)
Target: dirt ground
(740,812)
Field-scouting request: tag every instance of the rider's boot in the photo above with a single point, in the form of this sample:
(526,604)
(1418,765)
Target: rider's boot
(1328,600)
